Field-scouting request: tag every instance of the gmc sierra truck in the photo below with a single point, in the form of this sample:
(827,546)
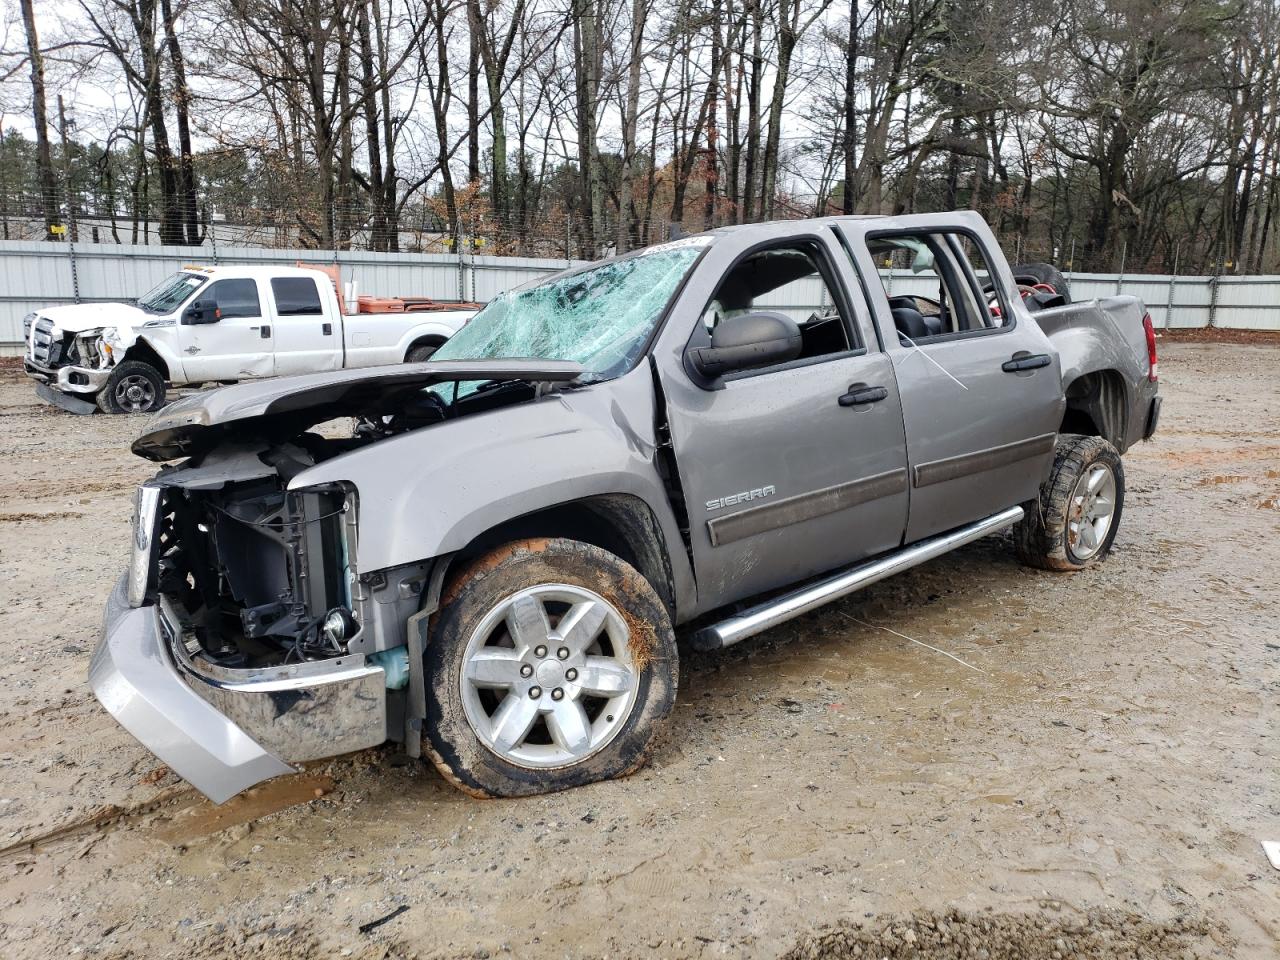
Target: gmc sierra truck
(222,324)
(489,565)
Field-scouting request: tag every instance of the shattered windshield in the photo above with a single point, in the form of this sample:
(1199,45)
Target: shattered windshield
(170,292)
(600,317)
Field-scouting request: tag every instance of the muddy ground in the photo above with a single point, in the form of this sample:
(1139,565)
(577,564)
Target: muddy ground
(1092,780)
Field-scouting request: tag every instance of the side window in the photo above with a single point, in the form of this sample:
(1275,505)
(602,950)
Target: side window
(236,298)
(937,285)
(296,296)
(791,280)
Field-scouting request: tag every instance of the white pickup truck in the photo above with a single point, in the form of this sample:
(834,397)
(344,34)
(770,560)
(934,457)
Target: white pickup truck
(221,325)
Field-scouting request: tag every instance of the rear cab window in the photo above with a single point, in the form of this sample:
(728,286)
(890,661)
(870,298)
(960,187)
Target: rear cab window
(938,286)
(296,296)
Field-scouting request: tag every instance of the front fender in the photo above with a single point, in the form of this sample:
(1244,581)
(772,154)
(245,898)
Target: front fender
(433,491)
(164,341)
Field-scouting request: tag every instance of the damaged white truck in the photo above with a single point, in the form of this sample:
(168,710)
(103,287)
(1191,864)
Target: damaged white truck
(488,563)
(221,325)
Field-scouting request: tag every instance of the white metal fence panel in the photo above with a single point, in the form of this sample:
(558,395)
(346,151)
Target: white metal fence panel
(35,274)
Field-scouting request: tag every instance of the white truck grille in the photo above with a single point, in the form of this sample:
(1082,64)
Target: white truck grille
(39,337)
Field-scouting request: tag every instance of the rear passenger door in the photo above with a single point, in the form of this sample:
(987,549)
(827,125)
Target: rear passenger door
(980,382)
(307,334)
(237,346)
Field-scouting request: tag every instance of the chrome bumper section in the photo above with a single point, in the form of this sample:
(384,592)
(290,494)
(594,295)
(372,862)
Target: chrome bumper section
(95,378)
(225,730)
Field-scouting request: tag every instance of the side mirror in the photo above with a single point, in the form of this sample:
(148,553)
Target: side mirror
(201,311)
(746,341)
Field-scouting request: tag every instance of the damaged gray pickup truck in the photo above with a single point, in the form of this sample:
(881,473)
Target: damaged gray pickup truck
(484,556)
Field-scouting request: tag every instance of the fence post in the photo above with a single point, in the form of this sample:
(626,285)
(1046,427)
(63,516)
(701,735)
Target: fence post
(75,274)
(1213,292)
(1071,261)
(333,228)
(1173,280)
(1124,255)
(462,267)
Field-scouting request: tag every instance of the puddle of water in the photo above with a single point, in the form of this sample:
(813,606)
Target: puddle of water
(204,818)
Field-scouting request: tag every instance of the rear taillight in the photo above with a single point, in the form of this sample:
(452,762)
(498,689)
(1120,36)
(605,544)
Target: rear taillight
(1153,370)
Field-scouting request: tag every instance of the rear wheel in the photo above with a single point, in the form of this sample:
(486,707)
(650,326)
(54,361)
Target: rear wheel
(133,387)
(422,351)
(1074,523)
(552,664)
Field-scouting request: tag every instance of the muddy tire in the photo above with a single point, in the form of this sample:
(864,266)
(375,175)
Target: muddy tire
(422,351)
(1074,523)
(133,387)
(551,664)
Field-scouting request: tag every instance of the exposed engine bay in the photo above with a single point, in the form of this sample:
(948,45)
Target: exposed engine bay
(259,576)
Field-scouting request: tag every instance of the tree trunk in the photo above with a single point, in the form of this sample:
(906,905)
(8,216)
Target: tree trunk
(850,143)
(626,228)
(182,108)
(44,156)
(373,143)
(753,112)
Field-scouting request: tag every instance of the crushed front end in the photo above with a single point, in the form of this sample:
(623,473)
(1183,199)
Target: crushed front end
(68,367)
(229,647)
(244,637)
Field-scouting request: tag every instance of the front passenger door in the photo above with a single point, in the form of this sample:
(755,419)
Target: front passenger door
(798,468)
(236,346)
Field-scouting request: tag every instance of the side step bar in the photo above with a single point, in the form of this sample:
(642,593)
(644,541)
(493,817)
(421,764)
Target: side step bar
(769,614)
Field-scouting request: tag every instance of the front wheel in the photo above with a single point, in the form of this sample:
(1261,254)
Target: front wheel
(1074,522)
(551,664)
(133,387)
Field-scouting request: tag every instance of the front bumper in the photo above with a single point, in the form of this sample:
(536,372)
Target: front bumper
(68,379)
(225,730)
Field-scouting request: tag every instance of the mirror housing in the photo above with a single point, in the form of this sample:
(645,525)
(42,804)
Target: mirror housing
(750,340)
(201,311)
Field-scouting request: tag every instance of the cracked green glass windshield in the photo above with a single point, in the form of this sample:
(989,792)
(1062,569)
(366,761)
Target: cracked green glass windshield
(600,317)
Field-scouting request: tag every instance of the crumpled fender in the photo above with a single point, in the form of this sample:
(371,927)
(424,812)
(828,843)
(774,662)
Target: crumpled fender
(120,340)
(1105,335)
(432,491)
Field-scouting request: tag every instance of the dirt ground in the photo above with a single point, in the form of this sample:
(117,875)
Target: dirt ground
(1090,776)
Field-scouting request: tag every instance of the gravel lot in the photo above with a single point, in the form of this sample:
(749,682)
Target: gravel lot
(1092,780)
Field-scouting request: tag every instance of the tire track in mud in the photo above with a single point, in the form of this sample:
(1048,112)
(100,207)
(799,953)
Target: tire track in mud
(101,820)
(178,815)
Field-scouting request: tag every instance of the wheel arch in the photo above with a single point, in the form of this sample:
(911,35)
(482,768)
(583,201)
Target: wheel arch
(1098,406)
(426,340)
(622,524)
(424,332)
(143,352)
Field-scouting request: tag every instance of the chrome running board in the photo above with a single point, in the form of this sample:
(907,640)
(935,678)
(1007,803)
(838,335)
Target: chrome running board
(790,605)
